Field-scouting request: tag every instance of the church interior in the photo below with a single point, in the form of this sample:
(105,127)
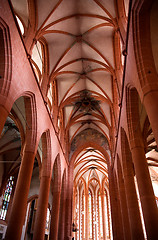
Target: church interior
(78,119)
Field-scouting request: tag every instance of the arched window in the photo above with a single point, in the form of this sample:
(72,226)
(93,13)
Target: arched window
(6,198)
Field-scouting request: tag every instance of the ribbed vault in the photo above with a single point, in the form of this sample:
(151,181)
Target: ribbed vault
(76,55)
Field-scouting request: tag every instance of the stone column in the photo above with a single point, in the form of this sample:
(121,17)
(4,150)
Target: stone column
(80,207)
(3,117)
(95,216)
(146,193)
(114,206)
(150,103)
(69,201)
(123,204)
(86,215)
(62,215)
(108,215)
(103,215)
(132,201)
(55,214)
(19,205)
(41,214)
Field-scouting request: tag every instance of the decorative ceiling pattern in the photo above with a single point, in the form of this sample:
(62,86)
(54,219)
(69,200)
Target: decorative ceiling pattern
(76,46)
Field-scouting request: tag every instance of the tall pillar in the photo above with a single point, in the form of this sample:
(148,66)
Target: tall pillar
(3,117)
(55,214)
(103,215)
(132,202)
(41,214)
(146,193)
(80,207)
(86,215)
(19,205)
(123,204)
(114,206)
(108,215)
(150,103)
(63,206)
(69,199)
(95,218)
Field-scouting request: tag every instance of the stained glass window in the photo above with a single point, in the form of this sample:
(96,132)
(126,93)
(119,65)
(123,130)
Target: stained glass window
(47,222)
(6,198)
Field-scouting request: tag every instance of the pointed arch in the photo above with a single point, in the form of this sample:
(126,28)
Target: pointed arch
(5,58)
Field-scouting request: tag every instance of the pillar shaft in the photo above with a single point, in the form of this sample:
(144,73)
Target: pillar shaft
(41,214)
(69,200)
(108,215)
(3,117)
(124,210)
(55,215)
(132,202)
(114,207)
(103,216)
(86,216)
(150,103)
(63,206)
(19,205)
(80,214)
(146,193)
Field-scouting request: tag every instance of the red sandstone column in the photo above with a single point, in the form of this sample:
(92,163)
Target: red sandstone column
(55,214)
(150,103)
(108,215)
(124,209)
(146,193)
(19,205)
(132,202)
(63,208)
(103,215)
(69,201)
(86,216)
(114,207)
(3,117)
(41,214)
(95,214)
(80,207)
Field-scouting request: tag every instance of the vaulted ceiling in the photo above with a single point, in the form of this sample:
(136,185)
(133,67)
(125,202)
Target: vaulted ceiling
(77,46)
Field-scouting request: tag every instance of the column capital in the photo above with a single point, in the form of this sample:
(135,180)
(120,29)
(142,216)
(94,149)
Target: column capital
(136,143)
(149,88)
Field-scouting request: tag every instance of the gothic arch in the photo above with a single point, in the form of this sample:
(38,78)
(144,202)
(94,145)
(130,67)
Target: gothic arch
(31,120)
(143,46)
(5,59)
(89,144)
